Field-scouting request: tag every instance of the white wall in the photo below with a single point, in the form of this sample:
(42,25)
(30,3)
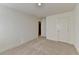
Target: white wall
(43,27)
(76,15)
(60,27)
(16,28)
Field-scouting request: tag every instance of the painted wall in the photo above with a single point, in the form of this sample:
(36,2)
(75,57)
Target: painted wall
(76,15)
(43,27)
(16,28)
(60,27)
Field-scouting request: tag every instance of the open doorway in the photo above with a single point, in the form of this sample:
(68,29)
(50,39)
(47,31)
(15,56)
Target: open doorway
(39,28)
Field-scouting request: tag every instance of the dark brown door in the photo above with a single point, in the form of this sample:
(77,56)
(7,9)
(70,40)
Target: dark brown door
(39,28)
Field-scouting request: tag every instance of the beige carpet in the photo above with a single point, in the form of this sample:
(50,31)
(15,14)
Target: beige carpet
(42,46)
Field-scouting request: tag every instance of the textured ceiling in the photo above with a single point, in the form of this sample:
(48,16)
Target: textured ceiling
(45,10)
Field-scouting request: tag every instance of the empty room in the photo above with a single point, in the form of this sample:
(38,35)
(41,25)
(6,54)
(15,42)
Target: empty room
(39,29)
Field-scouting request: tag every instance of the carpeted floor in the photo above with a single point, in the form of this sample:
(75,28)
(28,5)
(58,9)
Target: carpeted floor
(42,46)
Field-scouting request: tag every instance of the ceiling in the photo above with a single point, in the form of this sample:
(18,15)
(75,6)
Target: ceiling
(46,9)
